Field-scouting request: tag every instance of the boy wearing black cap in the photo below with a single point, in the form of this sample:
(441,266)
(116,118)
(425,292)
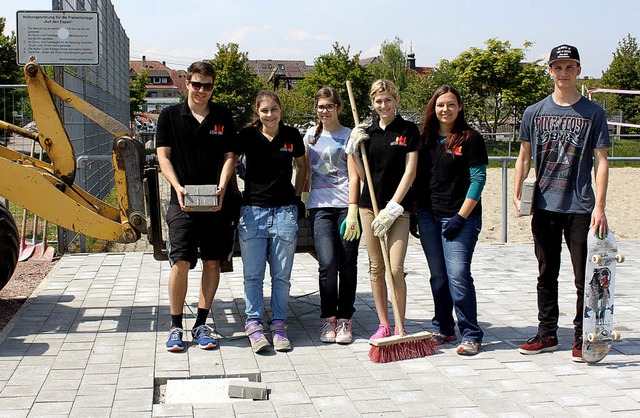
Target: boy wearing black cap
(567,135)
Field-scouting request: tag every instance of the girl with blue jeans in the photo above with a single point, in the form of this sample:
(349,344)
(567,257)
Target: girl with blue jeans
(334,218)
(451,176)
(268,227)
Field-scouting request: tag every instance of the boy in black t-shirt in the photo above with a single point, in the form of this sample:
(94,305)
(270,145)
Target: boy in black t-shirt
(195,141)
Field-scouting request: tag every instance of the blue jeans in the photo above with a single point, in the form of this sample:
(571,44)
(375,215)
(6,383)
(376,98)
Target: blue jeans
(267,235)
(451,282)
(335,256)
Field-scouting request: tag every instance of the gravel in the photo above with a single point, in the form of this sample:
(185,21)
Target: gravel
(26,278)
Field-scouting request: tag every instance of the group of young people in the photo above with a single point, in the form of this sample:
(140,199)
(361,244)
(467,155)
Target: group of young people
(437,174)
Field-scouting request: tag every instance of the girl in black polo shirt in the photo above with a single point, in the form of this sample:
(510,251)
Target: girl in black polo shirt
(451,176)
(391,144)
(268,222)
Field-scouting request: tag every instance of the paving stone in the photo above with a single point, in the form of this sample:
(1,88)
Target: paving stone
(114,309)
(41,409)
(248,390)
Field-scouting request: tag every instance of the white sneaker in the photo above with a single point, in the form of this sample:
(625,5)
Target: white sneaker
(328,330)
(343,331)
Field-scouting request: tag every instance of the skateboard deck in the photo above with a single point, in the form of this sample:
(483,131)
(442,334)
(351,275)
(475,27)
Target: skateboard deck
(597,329)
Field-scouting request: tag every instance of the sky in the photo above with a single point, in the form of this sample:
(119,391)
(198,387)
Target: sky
(180,32)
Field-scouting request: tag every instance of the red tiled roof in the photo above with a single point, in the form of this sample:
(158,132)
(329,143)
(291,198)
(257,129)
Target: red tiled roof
(158,69)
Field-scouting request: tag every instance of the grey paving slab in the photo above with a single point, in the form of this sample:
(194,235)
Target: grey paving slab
(91,343)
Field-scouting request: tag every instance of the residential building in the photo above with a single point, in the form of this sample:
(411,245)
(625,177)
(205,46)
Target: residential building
(279,73)
(165,87)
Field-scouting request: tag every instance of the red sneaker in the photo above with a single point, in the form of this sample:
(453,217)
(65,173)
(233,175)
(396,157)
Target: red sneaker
(440,339)
(539,344)
(576,353)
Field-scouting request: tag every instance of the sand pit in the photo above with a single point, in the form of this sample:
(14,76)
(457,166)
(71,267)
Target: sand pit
(622,211)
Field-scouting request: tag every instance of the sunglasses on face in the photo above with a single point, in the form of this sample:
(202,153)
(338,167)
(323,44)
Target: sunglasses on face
(198,85)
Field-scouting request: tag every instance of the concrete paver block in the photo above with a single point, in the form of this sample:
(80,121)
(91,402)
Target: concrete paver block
(201,198)
(248,390)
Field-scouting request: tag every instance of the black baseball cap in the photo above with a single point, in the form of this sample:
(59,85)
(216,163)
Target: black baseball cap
(564,52)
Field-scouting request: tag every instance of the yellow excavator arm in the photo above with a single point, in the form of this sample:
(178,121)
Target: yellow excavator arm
(48,189)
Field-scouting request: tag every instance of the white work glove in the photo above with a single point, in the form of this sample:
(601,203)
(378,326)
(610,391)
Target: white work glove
(386,218)
(350,228)
(358,134)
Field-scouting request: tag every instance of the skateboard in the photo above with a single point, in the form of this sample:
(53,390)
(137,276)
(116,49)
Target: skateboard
(597,328)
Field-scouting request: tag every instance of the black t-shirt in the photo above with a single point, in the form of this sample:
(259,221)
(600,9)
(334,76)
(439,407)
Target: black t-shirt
(387,151)
(449,177)
(197,149)
(269,165)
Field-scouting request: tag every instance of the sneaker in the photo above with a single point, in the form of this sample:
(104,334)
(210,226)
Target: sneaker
(343,331)
(279,335)
(382,332)
(468,348)
(539,344)
(174,343)
(202,334)
(254,331)
(576,353)
(439,339)
(328,331)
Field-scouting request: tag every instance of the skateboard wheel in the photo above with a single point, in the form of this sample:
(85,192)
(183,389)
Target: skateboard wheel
(615,335)
(596,259)
(620,258)
(592,337)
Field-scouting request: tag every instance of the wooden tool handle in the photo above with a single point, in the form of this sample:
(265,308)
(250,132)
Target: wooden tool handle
(383,242)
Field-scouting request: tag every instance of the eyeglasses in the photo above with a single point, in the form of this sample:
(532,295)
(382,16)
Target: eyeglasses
(328,108)
(198,85)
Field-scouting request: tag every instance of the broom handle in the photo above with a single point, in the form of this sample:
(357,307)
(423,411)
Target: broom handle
(374,203)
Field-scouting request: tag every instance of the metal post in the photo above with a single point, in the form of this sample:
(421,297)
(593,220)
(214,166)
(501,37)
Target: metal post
(505,180)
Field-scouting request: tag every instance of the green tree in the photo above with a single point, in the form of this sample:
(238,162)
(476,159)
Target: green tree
(420,88)
(494,82)
(138,92)
(297,107)
(334,69)
(392,64)
(624,73)
(235,86)
(10,73)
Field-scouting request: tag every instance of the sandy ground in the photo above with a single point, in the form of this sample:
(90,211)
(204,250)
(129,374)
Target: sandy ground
(622,212)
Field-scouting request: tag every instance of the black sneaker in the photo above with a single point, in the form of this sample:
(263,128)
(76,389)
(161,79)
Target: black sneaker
(539,344)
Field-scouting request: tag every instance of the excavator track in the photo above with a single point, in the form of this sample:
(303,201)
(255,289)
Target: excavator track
(9,245)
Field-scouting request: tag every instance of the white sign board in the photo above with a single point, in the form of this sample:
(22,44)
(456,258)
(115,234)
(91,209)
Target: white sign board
(58,38)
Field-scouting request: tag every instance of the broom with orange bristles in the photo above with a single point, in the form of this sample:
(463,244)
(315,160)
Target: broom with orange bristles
(397,347)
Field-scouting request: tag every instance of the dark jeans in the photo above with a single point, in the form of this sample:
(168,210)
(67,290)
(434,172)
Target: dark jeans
(451,281)
(548,229)
(336,258)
